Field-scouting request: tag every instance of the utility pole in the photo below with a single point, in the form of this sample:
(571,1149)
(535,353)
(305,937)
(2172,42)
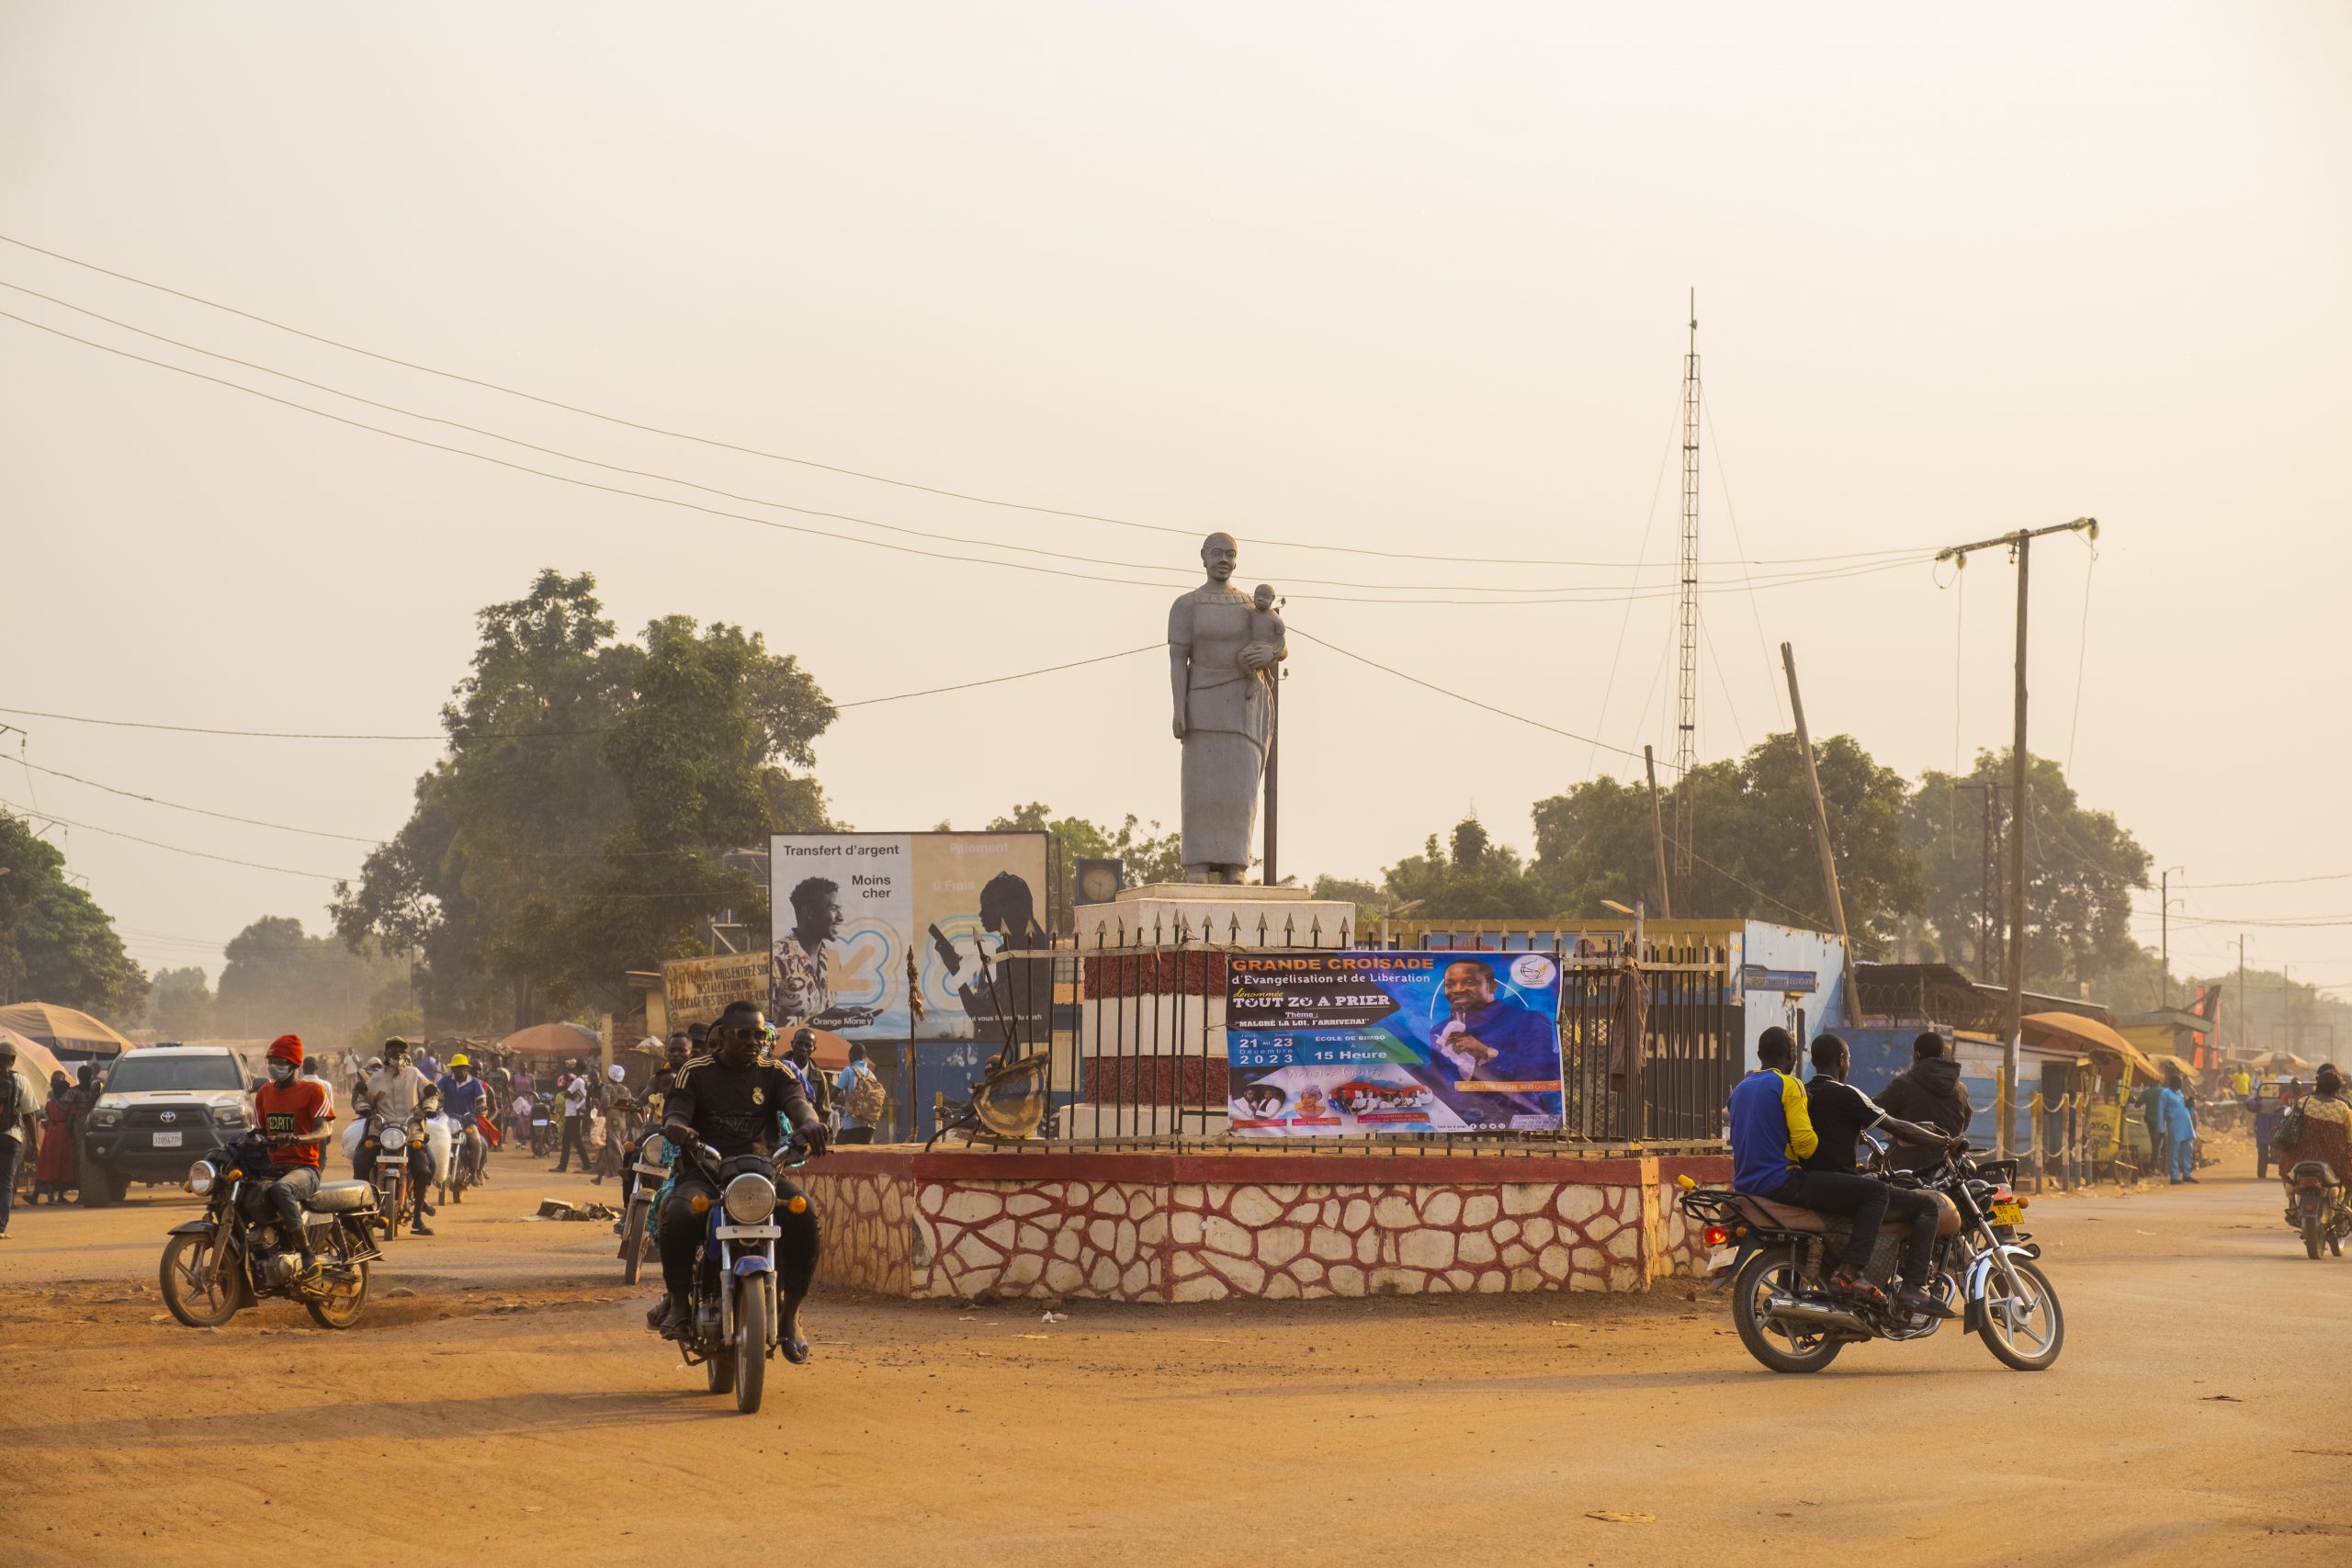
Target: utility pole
(1821,830)
(1686,712)
(2163,928)
(2020,545)
(1657,835)
(2246,1013)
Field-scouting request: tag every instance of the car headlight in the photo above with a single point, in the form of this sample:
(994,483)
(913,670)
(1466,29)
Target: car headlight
(104,1117)
(200,1177)
(750,1198)
(228,1115)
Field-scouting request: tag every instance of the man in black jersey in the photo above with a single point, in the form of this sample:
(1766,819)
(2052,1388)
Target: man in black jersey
(728,1102)
(1841,1115)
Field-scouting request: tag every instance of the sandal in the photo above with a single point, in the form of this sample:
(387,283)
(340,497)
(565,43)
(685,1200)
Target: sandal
(795,1350)
(1851,1283)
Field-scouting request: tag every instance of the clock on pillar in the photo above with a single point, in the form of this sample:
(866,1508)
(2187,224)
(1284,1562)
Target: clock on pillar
(1099,881)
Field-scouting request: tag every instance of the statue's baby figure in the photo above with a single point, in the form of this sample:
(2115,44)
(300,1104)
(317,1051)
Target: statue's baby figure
(1267,634)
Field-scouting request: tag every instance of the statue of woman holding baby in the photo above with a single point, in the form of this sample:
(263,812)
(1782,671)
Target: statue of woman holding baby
(1222,649)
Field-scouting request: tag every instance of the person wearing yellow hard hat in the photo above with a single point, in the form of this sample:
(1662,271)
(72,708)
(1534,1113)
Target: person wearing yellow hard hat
(464,1097)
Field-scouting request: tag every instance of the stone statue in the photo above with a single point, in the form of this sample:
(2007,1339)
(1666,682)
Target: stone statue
(1222,649)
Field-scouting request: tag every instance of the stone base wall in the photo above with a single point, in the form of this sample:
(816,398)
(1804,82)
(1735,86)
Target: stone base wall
(1162,1228)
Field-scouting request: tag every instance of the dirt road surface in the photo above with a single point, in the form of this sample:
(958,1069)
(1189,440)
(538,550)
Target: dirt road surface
(502,1401)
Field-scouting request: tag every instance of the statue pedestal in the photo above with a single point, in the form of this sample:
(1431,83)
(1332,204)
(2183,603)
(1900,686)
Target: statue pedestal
(1216,915)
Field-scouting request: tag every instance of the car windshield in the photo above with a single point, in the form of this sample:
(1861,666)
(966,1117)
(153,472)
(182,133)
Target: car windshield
(143,1072)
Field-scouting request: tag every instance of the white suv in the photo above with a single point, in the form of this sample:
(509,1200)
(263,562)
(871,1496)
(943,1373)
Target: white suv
(164,1107)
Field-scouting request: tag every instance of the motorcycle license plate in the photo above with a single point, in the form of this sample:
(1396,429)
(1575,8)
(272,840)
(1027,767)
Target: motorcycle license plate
(2007,1214)
(1721,1258)
(168,1140)
(749,1232)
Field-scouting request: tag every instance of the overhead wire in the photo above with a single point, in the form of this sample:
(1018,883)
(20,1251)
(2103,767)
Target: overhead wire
(2082,653)
(1755,612)
(1624,621)
(199,810)
(973,496)
(159,845)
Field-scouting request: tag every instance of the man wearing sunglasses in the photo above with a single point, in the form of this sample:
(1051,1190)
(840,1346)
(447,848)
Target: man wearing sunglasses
(733,1100)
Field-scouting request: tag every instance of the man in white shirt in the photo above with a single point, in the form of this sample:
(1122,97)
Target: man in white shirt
(571,1094)
(393,1091)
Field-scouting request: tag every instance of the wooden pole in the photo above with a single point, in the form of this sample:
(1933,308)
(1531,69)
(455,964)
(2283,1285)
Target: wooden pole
(2013,1013)
(1658,836)
(1821,832)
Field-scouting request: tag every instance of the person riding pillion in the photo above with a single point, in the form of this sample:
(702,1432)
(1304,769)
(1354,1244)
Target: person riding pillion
(725,1104)
(1779,1153)
(292,1113)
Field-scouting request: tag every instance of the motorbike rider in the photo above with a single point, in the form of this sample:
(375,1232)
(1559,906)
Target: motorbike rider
(464,1097)
(393,1093)
(1772,1136)
(1840,1115)
(657,1093)
(729,1103)
(2322,1130)
(1930,1092)
(292,1113)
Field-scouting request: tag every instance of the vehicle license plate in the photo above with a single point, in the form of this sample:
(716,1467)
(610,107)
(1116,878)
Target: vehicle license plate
(2007,1214)
(1721,1258)
(168,1140)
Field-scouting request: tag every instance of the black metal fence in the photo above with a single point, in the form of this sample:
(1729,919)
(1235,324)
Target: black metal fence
(1649,1051)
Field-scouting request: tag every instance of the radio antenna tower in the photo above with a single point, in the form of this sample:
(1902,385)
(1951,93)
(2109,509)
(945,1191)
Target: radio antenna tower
(1686,734)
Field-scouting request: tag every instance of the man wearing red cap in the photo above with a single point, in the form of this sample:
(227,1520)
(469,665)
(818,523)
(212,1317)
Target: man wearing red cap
(292,1113)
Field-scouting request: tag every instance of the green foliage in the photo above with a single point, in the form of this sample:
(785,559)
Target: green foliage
(1472,878)
(179,1007)
(2081,866)
(280,980)
(56,944)
(580,825)
(1150,856)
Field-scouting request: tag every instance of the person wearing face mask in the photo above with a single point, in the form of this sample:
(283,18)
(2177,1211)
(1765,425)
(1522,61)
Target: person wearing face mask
(291,1112)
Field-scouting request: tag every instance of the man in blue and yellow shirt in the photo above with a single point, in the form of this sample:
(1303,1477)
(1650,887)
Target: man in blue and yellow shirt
(1772,1135)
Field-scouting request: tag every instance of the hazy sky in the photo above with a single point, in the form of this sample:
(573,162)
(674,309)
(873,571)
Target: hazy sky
(1401,279)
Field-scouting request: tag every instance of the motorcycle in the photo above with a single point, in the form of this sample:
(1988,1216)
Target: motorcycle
(237,1254)
(1775,1261)
(2317,1208)
(731,1312)
(468,1160)
(651,1169)
(389,1175)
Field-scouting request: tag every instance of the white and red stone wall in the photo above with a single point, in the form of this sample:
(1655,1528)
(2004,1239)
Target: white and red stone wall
(1160,1228)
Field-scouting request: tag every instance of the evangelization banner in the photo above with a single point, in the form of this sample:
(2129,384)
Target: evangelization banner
(860,917)
(1321,1044)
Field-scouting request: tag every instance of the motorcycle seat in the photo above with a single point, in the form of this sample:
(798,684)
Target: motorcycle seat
(342,1197)
(1781,1216)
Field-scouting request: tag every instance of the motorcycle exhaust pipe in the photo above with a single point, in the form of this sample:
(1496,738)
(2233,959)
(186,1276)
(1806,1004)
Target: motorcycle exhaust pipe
(1815,1317)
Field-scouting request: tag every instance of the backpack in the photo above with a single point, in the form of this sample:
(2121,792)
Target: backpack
(868,1099)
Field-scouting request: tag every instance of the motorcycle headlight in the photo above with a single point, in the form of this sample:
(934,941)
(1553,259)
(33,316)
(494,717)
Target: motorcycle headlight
(750,1198)
(394,1139)
(200,1177)
(104,1117)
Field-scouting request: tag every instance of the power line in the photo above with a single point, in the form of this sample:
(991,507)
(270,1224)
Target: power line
(1595,598)
(1187,532)
(199,810)
(159,845)
(1000,680)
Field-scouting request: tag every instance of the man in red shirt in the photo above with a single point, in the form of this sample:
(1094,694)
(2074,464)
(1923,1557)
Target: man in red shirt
(293,1114)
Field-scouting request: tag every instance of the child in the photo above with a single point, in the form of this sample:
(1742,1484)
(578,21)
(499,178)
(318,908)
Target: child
(1266,632)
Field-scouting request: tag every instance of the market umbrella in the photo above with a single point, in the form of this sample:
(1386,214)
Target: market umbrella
(62,1028)
(34,1059)
(2087,1033)
(554,1040)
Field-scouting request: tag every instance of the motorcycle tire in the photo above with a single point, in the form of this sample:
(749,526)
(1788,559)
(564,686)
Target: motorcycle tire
(341,1309)
(633,1242)
(2314,1231)
(1762,1273)
(720,1368)
(187,1259)
(750,1346)
(2004,1349)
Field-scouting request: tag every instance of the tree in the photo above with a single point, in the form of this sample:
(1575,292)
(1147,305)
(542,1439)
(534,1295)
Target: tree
(56,944)
(1150,856)
(2081,867)
(1753,850)
(577,826)
(279,980)
(1479,879)
(180,1005)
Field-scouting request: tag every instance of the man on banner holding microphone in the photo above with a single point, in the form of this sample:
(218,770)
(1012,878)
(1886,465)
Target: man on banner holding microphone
(1496,1044)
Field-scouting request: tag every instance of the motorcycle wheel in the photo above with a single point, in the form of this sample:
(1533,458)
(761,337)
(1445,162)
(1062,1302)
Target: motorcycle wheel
(2018,1346)
(1762,1276)
(633,1242)
(2313,1231)
(720,1368)
(345,1298)
(189,1291)
(750,1346)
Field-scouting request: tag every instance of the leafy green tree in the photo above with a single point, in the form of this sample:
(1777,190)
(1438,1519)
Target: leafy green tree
(580,823)
(1474,878)
(1150,855)
(56,944)
(1752,844)
(2081,868)
(278,980)
(180,1005)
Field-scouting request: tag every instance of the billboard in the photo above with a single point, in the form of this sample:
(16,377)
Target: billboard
(697,990)
(911,936)
(1323,1045)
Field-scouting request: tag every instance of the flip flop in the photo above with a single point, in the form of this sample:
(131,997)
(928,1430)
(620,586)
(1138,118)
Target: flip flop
(795,1350)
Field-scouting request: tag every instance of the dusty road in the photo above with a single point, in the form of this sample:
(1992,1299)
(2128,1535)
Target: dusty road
(513,1409)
